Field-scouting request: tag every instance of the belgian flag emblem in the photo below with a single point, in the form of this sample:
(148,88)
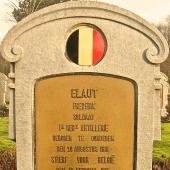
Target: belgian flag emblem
(86,46)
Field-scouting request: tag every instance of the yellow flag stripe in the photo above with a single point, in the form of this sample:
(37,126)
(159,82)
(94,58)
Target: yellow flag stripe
(85,46)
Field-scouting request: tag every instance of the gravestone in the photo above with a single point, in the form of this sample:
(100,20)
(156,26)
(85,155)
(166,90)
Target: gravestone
(3,89)
(164,94)
(168,98)
(7,93)
(160,104)
(85,88)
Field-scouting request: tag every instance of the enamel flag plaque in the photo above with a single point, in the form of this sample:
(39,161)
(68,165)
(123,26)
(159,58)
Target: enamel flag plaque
(78,123)
(85,88)
(86,46)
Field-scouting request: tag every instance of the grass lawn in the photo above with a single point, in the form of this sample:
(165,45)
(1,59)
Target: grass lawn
(5,143)
(162,148)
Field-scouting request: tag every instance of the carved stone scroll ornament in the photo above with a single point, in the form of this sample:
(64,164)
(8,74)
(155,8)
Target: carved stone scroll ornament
(156,55)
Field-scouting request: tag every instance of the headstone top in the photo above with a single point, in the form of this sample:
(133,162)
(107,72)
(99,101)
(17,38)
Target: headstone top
(164,76)
(12,52)
(3,76)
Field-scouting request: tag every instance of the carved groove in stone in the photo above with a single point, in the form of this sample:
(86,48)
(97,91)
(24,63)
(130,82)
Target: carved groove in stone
(158,87)
(11,85)
(11,75)
(158,76)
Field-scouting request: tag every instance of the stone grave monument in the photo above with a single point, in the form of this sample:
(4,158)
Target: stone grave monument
(85,88)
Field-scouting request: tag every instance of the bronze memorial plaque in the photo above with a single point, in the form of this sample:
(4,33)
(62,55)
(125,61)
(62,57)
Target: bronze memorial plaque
(85,122)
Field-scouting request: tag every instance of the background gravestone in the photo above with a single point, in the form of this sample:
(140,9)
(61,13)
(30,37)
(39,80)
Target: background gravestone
(3,89)
(48,77)
(164,94)
(160,109)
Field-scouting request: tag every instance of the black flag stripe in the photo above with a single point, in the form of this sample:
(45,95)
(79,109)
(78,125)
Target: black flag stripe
(72,46)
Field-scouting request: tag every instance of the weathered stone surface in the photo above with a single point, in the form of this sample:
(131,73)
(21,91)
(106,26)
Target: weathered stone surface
(37,46)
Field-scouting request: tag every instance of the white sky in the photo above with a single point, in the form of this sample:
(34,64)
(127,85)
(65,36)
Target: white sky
(151,10)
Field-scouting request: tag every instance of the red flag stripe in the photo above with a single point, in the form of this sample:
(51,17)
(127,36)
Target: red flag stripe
(98,47)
